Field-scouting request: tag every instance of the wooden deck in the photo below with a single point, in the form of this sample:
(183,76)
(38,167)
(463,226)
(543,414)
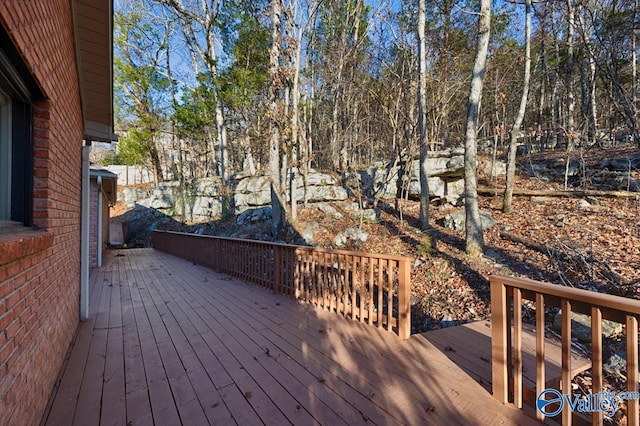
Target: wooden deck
(469,347)
(169,342)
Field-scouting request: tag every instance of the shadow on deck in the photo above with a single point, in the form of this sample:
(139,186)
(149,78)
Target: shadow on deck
(169,342)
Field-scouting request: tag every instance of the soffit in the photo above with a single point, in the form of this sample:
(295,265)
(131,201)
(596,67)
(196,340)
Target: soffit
(93,29)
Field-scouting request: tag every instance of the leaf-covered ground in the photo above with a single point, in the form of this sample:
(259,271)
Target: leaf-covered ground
(449,286)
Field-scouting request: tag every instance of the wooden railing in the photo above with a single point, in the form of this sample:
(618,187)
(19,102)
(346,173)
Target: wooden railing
(507,294)
(370,288)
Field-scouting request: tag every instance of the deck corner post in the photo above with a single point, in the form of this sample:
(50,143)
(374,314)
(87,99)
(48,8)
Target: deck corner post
(499,362)
(404,300)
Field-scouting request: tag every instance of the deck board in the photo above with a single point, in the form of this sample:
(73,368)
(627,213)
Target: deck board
(169,342)
(469,346)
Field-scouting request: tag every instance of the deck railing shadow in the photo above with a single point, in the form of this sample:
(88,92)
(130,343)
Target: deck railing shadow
(370,288)
(407,377)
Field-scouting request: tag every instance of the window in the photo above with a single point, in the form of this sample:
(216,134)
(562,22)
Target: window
(5,157)
(18,90)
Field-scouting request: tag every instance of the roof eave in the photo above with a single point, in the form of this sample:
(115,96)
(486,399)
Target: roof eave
(93,31)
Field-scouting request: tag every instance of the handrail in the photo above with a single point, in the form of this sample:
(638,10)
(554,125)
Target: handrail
(371,288)
(507,294)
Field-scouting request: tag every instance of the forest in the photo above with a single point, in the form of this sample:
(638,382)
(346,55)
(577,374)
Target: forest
(334,84)
(213,88)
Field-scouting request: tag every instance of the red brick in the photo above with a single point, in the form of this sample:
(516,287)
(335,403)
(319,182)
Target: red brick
(40,123)
(12,329)
(40,134)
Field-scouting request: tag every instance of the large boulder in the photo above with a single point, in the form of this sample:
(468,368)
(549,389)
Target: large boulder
(581,326)
(437,187)
(204,208)
(355,235)
(310,231)
(251,216)
(447,163)
(165,196)
(201,199)
(252,191)
(329,211)
(130,195)
(494,169)
(456,220)
(445,175)
(255,191)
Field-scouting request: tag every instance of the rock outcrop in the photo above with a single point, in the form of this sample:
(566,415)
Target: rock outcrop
(202,199)
(387,181)
(206,199)
(254,191)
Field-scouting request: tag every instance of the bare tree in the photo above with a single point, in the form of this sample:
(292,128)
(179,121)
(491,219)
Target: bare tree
(276,86)
(474,239)
(515,130)
(570,124)
(422,112)
(203,15)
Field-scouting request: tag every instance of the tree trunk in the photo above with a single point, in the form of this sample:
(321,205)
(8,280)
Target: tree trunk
(180,168)
(474,239)
(155,159)
(593,110)
(513,134)
(422,119)
(205,17)
(544,81)
(299,148)
(210,61)
(579,193)
(274,74)
(634,62)
(570,128)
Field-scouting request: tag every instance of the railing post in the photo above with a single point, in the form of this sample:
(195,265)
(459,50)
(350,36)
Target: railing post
(277,270)
(596,358)
(540,344)
(404,300)
(499,313)
(632,369)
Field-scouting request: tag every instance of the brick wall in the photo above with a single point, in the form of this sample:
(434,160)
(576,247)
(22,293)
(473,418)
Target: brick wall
(93,230)
(39,287)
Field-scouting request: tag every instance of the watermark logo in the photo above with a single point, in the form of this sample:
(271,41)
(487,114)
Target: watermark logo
(550,402)
(546,400)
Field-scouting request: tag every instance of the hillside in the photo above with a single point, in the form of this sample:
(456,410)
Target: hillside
(592,243)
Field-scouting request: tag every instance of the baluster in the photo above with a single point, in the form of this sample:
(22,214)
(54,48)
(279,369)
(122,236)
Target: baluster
(354,274)
(361,287)
(372,263)
(390,295)
(380,290)
(540,341)
(565,305)
(517,347)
